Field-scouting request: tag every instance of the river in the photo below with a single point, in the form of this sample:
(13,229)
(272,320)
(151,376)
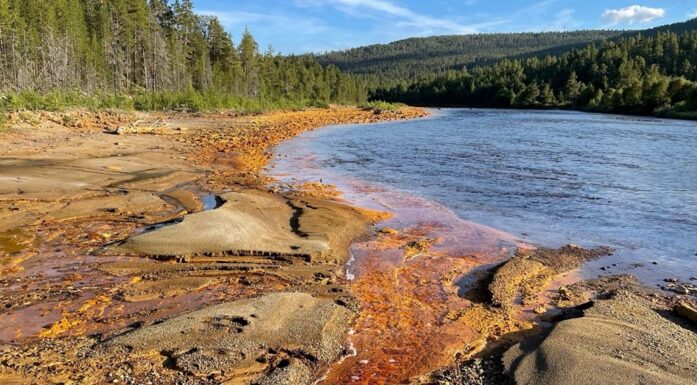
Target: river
(480,183)
(548,177)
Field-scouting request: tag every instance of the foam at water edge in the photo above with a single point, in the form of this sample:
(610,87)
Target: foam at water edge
(352,258)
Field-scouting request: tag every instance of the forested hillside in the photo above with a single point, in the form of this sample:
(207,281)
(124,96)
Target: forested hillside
(418,59)
(148,54)
(650,74)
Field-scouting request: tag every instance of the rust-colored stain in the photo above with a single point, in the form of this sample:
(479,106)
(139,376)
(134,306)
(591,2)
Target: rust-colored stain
(412,319)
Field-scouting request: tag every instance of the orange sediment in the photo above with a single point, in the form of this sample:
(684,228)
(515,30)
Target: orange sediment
(412,319)
(402,329)
(40,252)
(77,320)
(245,145)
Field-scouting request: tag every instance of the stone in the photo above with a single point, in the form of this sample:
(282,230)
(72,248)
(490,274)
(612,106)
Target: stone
(540,310)
(681,289)
(565,292)
(687,311)
(388,230)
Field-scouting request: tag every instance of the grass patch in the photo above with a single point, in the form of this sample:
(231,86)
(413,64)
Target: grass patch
(379,106)
(189,100)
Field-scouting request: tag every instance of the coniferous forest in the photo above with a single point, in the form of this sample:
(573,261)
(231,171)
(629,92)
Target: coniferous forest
(159,54)
(149,54)
(421,59)
(637,74)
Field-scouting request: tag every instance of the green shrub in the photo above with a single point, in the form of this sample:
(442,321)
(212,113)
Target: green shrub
(69,120)
(319,104)
(379,106)
(29,117)
(186,100)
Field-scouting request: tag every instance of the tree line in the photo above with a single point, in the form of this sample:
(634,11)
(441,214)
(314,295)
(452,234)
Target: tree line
(150,54)
(423,59)
(640,74)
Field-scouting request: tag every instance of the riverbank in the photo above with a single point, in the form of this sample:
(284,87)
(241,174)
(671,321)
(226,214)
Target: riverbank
(113,222)
(152,249)
(433,286)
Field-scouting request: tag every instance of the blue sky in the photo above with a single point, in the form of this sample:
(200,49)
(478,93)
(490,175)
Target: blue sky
(298,26)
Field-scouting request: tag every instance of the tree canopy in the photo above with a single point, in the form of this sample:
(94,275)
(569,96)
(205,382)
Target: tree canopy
(420,59)
(151,47)
(637,74)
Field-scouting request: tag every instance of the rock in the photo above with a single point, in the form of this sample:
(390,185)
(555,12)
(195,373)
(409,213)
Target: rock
(681,289)
(230,337)
(540,310)
(565,292)
(256,224)
(687,311)
(388,230)
(596,349)
(671,280)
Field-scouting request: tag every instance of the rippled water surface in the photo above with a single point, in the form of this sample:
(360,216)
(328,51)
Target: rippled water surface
(547,177)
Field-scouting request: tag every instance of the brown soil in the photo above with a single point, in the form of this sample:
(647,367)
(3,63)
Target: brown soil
(91,203)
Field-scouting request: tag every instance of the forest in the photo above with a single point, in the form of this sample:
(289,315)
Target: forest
(421,59)
(638,74)
(149,54)
(161,55)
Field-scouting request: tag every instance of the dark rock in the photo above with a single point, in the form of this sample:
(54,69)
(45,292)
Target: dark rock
(681,289)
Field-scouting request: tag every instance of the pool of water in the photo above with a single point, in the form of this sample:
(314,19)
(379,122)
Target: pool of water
(547,177)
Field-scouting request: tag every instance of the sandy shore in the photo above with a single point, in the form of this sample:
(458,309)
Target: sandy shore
(150,249)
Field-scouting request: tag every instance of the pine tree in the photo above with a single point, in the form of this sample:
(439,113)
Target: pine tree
(248,57)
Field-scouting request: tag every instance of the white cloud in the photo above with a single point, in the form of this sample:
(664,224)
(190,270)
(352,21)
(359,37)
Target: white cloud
(633,14)
(692,14)
(406,17)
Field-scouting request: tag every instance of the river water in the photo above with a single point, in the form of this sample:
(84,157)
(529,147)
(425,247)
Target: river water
(478,184)
(547,177)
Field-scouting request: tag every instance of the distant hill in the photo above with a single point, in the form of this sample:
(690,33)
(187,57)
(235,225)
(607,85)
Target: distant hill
(419,59)
(650,72)
(415,59)
(679,28)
